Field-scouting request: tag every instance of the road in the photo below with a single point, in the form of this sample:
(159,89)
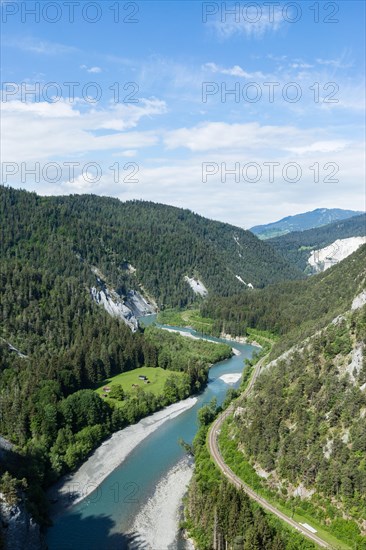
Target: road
(235,480)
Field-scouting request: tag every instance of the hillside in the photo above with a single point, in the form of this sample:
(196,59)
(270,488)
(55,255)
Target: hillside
(298,245)
(291,309)
(135,245)
(218,515)
(302,429)
(301,222)
(298,438)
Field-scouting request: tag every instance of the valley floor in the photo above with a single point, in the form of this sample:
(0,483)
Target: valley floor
(76,486)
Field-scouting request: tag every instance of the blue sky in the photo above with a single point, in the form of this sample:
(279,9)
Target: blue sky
(182,132)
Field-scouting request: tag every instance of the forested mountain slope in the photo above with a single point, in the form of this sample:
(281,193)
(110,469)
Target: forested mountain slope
(163,244)
(293,309)
(301,222)
(218,515)
(297,246)
(57,345)
(303,427)
(299,437)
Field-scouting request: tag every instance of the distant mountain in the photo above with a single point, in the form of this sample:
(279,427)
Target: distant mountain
(301,222)
(298,245)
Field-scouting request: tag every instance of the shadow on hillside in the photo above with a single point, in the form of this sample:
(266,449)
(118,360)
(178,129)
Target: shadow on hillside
(10,459)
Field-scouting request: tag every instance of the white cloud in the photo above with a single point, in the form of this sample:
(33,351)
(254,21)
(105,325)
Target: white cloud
(350,97)
(60,109)
(301,65)
(94,70)
(212,136)
(39,131)
(331,146)
(83,183)
(129,153)
(236,70)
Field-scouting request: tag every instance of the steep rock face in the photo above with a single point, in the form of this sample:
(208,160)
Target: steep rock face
(18,530)
(114,305)
(326,257)
(128,308)
(359,301)
(196,285)
(138,304)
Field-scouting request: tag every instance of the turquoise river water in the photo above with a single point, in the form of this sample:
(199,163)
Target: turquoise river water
(114,516)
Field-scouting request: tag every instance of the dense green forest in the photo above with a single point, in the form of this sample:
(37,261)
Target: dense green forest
(220,516)
(164,244)
(304,425)
(57,345)
(293,309)
(297,245)
(45,408)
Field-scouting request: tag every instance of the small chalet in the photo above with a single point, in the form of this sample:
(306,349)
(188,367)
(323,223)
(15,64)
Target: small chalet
(142,377)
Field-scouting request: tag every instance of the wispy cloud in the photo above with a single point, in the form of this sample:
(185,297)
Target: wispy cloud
(236,70)
(34,45)
(214,136)
(330,146)
(336,63)
(234,20)
(301,65)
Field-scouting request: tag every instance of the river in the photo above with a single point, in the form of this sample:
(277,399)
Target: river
(136,506)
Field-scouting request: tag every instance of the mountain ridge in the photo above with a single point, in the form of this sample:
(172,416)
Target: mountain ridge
(300,222)
(162,243)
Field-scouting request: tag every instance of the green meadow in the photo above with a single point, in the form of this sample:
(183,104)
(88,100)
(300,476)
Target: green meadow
(156,376)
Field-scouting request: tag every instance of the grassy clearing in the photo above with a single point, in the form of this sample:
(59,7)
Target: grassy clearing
(156,376)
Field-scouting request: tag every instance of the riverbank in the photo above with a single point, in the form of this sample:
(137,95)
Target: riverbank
(156,523)
(181,332)
(240,339)
(189,335)
(76,486)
